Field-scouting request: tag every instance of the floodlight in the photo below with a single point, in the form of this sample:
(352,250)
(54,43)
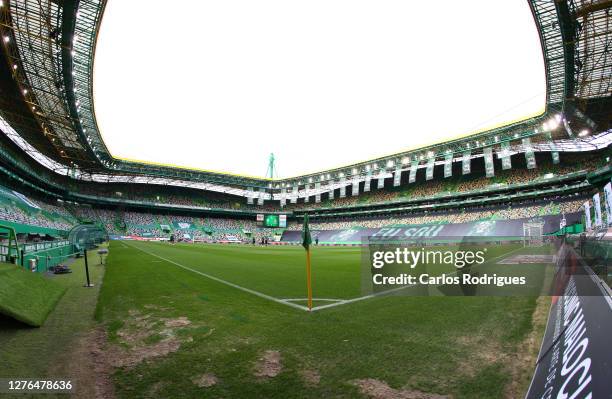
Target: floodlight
(583,132)
(6,39)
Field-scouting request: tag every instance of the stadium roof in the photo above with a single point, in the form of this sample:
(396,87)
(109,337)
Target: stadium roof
(47,92)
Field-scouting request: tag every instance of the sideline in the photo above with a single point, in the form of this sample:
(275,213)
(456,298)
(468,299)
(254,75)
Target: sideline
(217,279)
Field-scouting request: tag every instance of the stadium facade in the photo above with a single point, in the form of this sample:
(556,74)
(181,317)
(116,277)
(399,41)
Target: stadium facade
(52,151)
(237,315)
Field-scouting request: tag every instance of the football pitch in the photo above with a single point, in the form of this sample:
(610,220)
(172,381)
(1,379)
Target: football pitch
(230,321)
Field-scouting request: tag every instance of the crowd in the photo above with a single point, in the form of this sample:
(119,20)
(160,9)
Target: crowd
(504,213)
(19,215)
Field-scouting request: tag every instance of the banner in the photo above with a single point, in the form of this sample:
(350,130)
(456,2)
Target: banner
(366,184)
(608,202)
(504,155)
(182,225)
(597,207)
(250,196)
(466,163)
(587,215)
(342,187)
(488,228)
(397,178)
(331,190)
(294,195)
(318,192)
(448,165)
(553,149)
(488,158)
(574,358)
(355,191)
(429,170)
(381,179)
(261,196)
(413,169)
(283,197)
(529,155)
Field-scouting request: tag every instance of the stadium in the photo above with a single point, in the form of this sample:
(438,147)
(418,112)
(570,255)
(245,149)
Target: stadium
(467,265)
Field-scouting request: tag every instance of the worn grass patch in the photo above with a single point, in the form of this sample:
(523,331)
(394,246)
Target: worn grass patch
(65,345)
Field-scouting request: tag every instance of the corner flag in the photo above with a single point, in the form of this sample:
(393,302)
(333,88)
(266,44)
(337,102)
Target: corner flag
(306,238)
(306,241)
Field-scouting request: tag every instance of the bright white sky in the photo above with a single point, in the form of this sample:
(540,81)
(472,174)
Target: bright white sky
(218,85)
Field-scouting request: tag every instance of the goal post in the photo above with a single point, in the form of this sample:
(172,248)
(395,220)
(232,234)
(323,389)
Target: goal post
(533,234)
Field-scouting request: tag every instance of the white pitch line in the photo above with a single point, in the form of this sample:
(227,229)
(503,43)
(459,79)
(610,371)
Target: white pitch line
(361,298)
(287,301)
(314,299)
(217,279)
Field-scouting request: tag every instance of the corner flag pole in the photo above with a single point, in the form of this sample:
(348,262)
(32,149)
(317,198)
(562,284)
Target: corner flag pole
(309,279)
(306,241)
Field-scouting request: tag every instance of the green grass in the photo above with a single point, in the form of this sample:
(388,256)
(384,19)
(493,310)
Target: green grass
(26,296)
(47,351)
(456,346)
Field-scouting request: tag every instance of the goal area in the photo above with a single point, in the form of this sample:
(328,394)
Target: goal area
(533,234)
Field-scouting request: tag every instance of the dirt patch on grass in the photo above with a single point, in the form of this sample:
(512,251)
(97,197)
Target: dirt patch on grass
(174,323)
(484,351)
(205,380)
(88,368)
(102,368)
(518,364)
(380,390)
(144,337)
(155,388)
(269,365)
(310,377)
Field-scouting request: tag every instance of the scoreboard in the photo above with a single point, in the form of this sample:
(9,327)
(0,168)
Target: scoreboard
(269,220)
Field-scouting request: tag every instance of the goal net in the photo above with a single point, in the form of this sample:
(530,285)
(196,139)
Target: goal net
(533,234)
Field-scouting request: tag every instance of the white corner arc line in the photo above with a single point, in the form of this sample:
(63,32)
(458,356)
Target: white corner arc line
(314,299)
(403,287)
(217,279)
